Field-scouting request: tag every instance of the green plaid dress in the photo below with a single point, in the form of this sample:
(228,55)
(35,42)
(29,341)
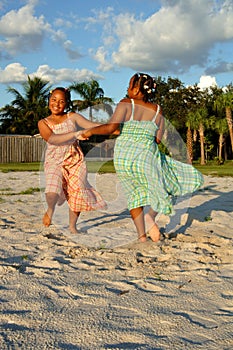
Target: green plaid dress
(148,176)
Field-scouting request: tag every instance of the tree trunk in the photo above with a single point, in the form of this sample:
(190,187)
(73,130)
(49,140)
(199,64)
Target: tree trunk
(220,142)
(202,142)
(90,114)
(225,149)
(195,135)
(229,123)
(189,146)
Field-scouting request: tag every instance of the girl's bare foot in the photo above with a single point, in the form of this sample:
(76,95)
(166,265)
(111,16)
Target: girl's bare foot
(46,220)
(153,229)
(154,233)
(73,230)
(142,238)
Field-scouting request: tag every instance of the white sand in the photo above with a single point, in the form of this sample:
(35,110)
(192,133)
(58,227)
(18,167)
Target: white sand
(102,289)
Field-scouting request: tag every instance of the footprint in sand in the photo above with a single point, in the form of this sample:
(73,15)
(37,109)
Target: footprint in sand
(201,321)
(146,286)
(119,288)
(227,295)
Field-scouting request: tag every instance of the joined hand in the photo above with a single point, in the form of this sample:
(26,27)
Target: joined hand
(80,135)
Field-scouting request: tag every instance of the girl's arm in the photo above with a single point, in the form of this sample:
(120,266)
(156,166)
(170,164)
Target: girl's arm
(160,130)
(82,122)
(106,129)
(87,124)
(55,139)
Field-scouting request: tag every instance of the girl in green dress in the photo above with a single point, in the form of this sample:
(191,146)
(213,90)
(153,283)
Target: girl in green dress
(149,177)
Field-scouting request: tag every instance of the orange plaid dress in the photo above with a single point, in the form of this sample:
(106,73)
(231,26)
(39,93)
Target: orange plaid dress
(66,173)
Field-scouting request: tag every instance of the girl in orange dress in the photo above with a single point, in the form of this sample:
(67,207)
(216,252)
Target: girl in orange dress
(64,166)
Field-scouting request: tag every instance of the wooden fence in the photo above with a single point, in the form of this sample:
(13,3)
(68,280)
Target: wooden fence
(26,149)
(21,149)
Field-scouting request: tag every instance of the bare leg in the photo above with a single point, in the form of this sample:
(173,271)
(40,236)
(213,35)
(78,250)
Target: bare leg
(51,199)
(73,216)
(153,229)
(150,218)
(137,215)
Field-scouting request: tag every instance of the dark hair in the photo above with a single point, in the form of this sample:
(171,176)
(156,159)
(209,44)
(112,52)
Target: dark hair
(67,93)
(146,84)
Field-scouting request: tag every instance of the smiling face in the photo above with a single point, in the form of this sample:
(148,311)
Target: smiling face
(57,102)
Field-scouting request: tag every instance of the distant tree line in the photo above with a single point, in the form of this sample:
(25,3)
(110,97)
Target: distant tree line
(203,118)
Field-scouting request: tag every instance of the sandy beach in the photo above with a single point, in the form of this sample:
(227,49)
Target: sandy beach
(102,289)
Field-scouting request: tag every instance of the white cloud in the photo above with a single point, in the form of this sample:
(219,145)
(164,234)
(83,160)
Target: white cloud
(16,73)
(100,56)
(13,73)
(220,67)
(61,22)
(178,36)
(24,32)
(55,76)
(206,81)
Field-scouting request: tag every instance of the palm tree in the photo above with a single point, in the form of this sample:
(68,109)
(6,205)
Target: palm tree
(202,114)
(199,120)
(225,100)
(93,97)
(24,112)
(191,124)
(193,100)
(221,127)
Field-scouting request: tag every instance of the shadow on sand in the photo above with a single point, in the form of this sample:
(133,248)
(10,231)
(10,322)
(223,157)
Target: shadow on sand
(221,201)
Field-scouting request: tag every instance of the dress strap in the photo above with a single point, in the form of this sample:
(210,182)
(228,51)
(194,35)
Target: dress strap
(156,114)
(48,123)
(132,114)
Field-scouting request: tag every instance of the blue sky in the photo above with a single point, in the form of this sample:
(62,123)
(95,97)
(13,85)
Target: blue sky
(77,40)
